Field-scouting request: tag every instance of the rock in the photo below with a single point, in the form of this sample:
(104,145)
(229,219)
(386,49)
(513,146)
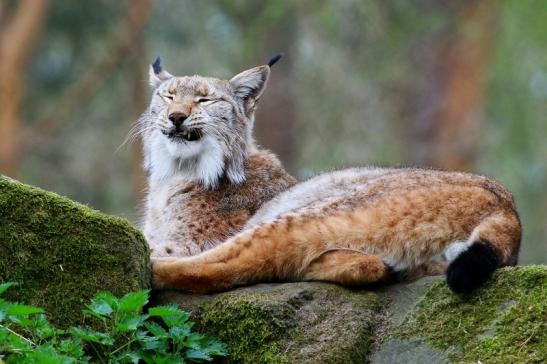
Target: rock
(416,322)
(306,322)
(61,253)
(503,322)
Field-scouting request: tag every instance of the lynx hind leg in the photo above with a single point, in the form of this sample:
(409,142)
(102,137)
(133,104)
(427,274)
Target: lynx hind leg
(493,243)
(347,268)
(433,268)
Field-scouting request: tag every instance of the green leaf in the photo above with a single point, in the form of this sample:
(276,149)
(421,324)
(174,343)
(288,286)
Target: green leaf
(41,326)
(5,286)
(17,309)
(155,329)
(107,297)
(133,302)
(161,311)
(180,334)
(90,335)
(158,342)
(197,354)
(202,345)
(12,342)
(72,347)
(153,343)
(135,340)
(99,308)
(213,347)
(131,323)
(167,359)
(22,320)
(47,355)
(130,357)
(171,315)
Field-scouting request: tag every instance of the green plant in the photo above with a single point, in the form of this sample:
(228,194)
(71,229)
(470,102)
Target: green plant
(127,335)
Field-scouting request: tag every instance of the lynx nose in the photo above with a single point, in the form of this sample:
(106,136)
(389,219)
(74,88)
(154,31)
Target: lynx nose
(177,118)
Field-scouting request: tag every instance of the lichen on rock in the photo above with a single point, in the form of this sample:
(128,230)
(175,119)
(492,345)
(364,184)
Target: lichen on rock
(413,322)
(503,322)
(61,253)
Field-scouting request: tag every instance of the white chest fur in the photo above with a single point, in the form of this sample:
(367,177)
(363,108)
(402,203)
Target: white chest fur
(159,217)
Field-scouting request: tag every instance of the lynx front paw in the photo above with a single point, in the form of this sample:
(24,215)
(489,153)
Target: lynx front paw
(160,268)
(189,275)
(179,274)
(157,279)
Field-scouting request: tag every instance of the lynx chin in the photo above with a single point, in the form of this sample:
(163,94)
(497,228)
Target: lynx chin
(222,212)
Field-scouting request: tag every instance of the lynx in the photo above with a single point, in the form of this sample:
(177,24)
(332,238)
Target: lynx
(222,212)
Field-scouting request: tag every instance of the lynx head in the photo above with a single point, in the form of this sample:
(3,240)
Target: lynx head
(200,128)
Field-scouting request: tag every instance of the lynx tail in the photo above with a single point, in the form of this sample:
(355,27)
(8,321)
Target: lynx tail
(496,242)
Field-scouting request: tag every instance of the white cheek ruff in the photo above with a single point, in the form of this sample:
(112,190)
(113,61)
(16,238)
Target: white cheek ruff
(182,150)
(210,165)
(200,161)
(160,163)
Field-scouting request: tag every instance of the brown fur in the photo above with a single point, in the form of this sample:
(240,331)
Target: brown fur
(221,198)
(204,217)
(410,215)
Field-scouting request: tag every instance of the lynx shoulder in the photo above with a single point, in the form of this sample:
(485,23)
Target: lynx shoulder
(222,212)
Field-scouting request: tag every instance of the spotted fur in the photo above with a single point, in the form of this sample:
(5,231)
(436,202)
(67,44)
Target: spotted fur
(222,212)
(202,192)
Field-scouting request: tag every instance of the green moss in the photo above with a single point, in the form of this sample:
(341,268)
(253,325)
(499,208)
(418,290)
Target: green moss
(292,323)
(344,318)
(61,252)
(248,325)
(504,322)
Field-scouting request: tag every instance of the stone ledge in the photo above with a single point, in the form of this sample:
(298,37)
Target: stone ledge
(414,322)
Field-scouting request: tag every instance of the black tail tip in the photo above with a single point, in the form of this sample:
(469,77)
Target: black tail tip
(156,66)
(472,268)
(276,57)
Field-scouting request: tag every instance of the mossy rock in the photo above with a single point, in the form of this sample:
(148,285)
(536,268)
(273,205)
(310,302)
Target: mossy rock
(503,322)
(418,322)
(61,253)
(306,322)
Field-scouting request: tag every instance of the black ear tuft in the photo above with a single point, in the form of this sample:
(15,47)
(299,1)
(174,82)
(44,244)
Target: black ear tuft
(157,65)
(276,57)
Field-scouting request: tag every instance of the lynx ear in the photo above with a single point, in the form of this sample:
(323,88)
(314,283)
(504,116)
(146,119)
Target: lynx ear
(157,74)
(249,84)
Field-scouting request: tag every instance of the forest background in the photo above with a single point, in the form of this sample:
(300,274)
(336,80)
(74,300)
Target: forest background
(458,85)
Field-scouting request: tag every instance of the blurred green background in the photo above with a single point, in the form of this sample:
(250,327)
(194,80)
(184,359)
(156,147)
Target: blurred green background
(450,84)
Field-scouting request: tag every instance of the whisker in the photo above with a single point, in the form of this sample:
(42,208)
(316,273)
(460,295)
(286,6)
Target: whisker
(133,134)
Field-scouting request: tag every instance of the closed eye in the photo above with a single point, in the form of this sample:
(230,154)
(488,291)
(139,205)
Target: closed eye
(166,97)
(204,99)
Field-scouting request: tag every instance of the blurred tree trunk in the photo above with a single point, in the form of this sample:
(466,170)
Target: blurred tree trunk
(17,41)
(126,44)
(266,34)
(139,99)
(276,116)
(451,115)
